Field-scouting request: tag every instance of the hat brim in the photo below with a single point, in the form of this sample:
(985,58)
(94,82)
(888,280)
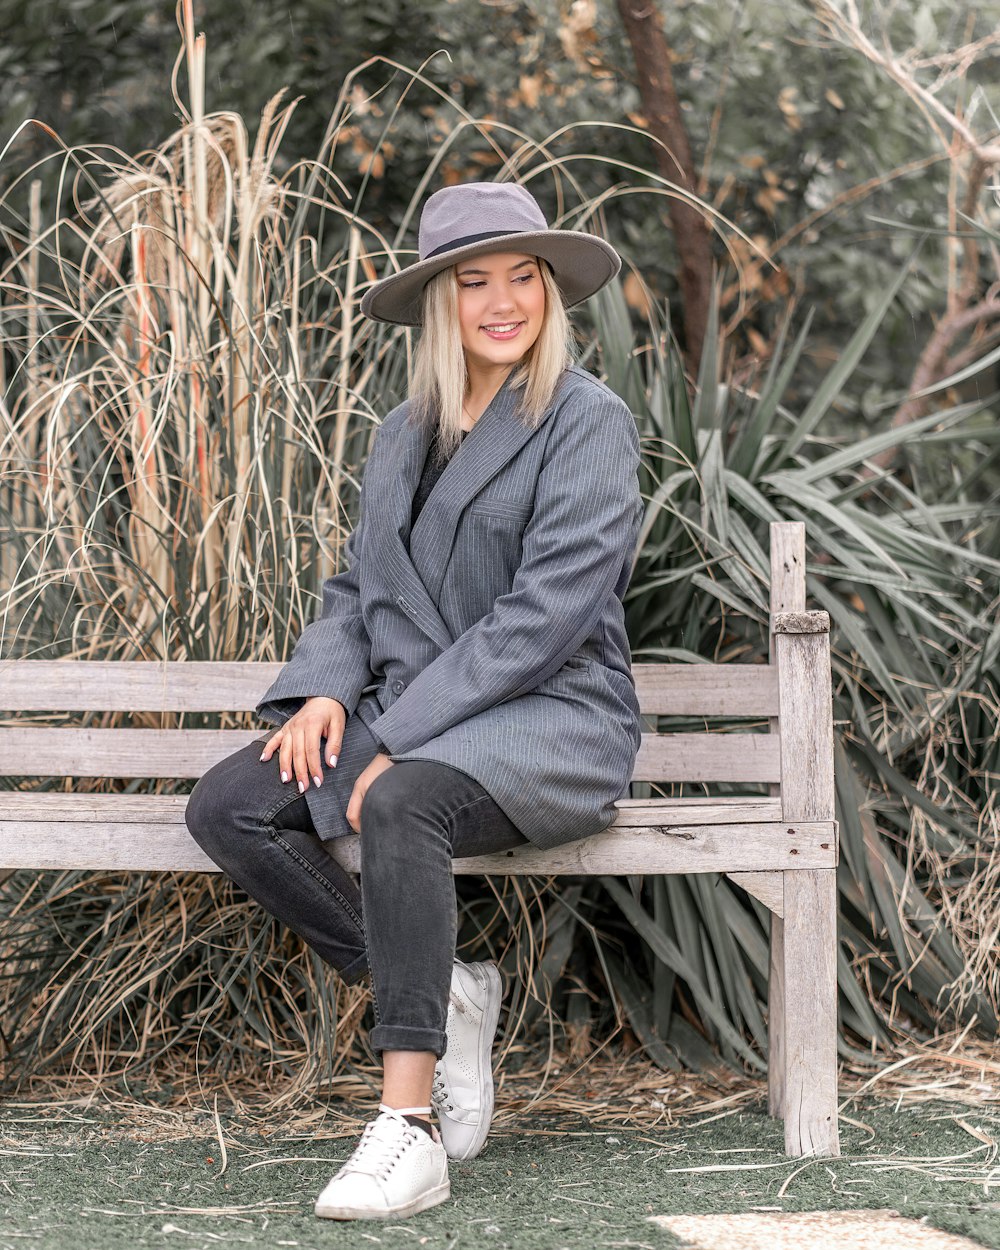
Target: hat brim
(582,263)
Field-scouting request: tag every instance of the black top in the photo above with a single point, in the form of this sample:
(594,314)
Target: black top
(434,466)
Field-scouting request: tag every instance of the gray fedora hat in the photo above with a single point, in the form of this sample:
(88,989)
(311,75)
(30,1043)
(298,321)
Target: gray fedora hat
(471,218)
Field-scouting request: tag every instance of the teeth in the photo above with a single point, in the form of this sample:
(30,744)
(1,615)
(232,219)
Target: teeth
(509,326)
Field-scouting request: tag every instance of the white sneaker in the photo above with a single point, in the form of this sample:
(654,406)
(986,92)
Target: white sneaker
(397,1169)
(462,1094)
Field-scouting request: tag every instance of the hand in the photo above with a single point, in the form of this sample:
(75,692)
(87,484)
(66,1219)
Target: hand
(378,765)
(299,739)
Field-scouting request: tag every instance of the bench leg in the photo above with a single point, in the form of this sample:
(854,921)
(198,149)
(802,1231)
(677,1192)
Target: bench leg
(802,1014)
(776,1020)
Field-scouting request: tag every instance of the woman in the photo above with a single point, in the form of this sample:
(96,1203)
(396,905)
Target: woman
(469,672)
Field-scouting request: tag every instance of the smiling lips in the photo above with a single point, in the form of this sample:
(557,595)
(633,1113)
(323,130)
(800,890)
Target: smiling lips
(508,330)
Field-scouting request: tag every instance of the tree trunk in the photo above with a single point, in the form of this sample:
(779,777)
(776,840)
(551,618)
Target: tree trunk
(661,108)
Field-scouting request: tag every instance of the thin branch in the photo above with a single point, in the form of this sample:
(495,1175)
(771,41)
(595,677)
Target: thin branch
(849,26)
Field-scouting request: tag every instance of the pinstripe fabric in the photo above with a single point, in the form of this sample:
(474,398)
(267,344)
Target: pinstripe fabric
(492,638)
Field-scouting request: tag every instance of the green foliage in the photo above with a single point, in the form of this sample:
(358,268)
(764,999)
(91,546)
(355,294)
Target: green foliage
(784,122)
(915,648)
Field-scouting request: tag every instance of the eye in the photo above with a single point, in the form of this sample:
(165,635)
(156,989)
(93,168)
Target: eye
(520,279)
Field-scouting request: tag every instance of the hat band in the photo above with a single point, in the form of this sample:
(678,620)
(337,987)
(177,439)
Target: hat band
(454,244)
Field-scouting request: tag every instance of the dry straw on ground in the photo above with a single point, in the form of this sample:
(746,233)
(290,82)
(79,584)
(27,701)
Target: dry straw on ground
(608,1092)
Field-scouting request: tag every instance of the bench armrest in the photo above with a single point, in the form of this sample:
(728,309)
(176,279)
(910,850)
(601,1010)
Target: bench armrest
(800,623)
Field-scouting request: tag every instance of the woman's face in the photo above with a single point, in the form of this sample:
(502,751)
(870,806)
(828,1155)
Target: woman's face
(496,292)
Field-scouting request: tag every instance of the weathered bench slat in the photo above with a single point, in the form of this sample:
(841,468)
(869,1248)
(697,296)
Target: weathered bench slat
(38,752)
(706,689)
(235,686)
(683,848)
(152,809)
(133,685)
(154,753)
(736,757)
(698,810)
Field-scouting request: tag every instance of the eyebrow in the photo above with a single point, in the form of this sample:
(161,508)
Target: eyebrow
(529,261)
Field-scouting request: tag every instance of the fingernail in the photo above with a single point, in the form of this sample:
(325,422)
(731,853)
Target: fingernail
(284,776)
(318,780)
(302,786)
(333,761)
(262,754)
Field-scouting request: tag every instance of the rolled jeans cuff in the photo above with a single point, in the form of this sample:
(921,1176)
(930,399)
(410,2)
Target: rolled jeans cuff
(355,970)
(405,1037)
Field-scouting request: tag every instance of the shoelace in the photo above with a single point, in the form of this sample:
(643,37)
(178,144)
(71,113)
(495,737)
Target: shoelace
(382,1143)
(438,1094)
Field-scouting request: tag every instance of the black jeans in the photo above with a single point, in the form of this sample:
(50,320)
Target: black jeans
(402,923)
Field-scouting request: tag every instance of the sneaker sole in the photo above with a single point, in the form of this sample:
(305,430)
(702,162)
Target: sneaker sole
(490,1018)
(431,1198)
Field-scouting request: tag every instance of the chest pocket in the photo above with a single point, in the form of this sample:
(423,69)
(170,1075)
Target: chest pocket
(487,550)
(501,511)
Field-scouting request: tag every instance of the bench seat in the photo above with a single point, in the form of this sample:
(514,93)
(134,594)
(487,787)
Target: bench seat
(147,831)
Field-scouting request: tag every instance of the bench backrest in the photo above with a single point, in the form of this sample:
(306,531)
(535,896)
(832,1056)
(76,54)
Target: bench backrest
(787,698)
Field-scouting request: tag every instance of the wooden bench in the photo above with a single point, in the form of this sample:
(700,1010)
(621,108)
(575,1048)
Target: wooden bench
(779,845)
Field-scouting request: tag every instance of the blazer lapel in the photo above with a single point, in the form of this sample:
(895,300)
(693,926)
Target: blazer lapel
(391,533)
(494,440)
(417,573)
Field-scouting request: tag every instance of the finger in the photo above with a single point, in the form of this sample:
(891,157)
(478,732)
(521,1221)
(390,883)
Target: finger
(269,745)
(313,754)
(362,785)
(300,761)
(353,813)
(285,754)
(334,740)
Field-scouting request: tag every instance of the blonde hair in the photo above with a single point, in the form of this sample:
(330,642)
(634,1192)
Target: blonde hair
(439,369)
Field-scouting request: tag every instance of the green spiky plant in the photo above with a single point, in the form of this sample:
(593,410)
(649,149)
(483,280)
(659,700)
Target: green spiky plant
(909,577)
(188,401)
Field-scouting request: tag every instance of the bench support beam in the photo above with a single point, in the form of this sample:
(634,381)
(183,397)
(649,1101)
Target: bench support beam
(766,887)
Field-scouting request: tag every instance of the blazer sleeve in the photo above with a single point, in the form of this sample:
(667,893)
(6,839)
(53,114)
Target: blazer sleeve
(577,550)
(332,656)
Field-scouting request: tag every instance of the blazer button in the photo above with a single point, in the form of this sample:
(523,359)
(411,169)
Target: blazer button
(398,686)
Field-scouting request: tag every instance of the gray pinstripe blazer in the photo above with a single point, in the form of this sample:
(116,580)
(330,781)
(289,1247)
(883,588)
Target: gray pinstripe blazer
(492,638)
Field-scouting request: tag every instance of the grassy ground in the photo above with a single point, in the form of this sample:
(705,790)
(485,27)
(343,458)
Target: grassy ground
(83,1181)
